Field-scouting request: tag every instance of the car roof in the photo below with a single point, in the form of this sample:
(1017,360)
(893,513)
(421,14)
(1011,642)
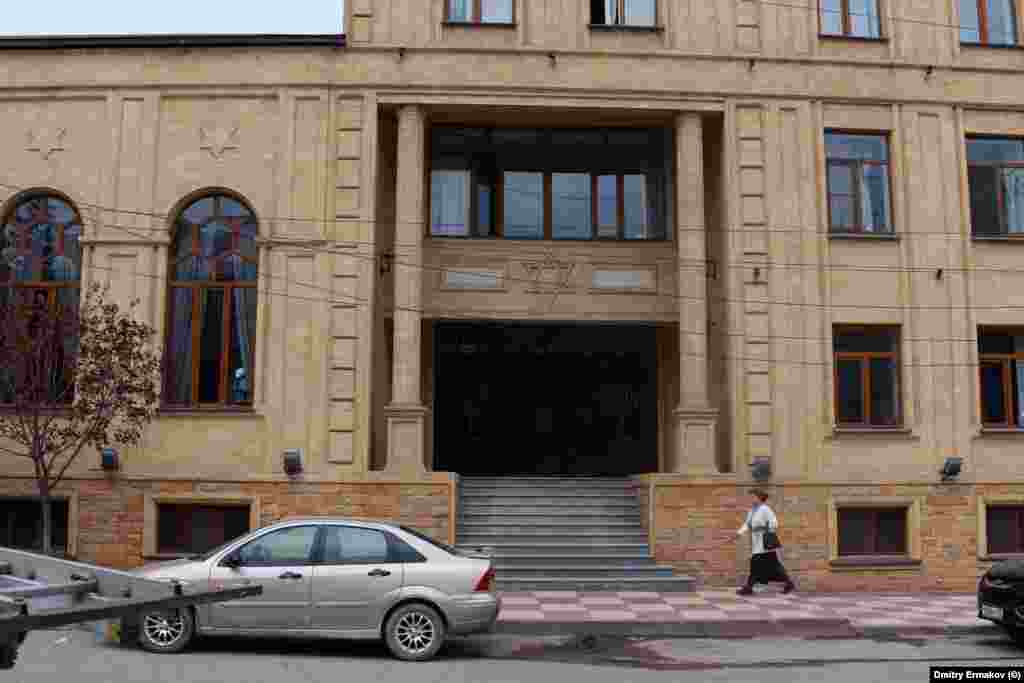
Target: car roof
(367,523)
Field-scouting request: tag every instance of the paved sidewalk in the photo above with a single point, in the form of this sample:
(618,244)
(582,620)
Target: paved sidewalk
(717,614)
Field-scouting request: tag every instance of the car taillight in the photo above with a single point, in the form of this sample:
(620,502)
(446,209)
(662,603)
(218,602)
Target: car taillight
(484,584)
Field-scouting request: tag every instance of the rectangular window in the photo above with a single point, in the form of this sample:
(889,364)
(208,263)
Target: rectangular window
(21,524)
(480,11)
(548,184)
(1004,527)
(1001,368)
(988,22)
(867,387)
(872,531)
(858,183)
(623,12)
(850,18)
(995,179)
(193,528)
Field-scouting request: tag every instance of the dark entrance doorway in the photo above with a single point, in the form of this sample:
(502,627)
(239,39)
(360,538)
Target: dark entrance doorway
(545,399)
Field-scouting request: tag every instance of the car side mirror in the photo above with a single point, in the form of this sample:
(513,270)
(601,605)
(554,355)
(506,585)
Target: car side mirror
(231,560)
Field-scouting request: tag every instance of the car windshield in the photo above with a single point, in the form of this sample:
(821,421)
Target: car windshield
(427,539)
(203,557)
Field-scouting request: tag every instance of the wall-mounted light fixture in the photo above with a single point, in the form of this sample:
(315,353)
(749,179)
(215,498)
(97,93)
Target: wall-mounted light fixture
(552,59)
(293,461)
(951,468)
(761,468)
(108,458)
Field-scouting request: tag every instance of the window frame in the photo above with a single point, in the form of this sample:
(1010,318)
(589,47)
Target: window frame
(1003,232)
(847,22)
(1018,510)
(171,552)
(224,286)
(70,530)
(1005,361)
(984,39)
(857,166)
(865,357)
(620,9)
(392,541)
(476,15)
(874,511)
(315,548)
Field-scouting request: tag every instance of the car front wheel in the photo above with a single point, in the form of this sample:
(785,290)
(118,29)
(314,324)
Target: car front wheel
(414,632)
(166,631)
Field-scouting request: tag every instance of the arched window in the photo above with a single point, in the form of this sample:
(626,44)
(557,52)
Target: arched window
(212,310)
(41,259)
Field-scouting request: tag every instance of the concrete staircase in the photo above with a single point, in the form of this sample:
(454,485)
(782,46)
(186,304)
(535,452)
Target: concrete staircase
(562,533)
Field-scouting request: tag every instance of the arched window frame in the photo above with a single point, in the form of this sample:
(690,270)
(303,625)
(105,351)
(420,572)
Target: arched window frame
(28,266)
(189,376)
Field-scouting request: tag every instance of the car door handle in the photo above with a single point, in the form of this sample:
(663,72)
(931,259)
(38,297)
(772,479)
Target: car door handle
(290,575)
(379,572)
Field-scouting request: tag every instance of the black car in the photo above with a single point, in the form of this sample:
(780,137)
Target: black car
(1001,597)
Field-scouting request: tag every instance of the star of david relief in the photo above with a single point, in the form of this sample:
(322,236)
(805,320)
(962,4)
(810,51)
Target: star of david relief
(45,141)
(218,139)
(547,276)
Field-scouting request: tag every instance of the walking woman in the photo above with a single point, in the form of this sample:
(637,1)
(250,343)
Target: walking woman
(764,564)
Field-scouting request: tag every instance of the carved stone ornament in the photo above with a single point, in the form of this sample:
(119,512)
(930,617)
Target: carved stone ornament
(45,141)
(218,139)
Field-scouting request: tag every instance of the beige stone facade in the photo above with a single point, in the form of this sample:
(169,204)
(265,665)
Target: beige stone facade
(329,148)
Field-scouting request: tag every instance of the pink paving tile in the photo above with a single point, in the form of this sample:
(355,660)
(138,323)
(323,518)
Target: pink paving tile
(794,615)
(658,617)
(679,600)
(740,607)
(701,615)
(880,622)
(654,607)
(964,621)
(563,608)
(509,600)
(639,595)
(598,601)
(611,615)
(549,595)
(520,615)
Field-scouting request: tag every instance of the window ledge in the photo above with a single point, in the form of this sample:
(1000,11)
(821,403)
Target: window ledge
(998,238)
(875,562)
(220,411)
(856,39)
(481,24)
(888,432)
(990,46)
(1001,431)
(998,557)
(625,27)
(864,236)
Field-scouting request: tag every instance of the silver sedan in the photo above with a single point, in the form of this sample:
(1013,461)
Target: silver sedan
(330,577)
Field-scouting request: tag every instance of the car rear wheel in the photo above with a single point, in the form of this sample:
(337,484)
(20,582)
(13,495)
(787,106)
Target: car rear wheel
(414,632)
(166,631)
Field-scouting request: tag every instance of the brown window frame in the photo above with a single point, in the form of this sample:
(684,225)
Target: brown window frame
(848,22)
(1018,541)
(856,170)
(197,286)
(620,10)
(31,502)
(163,550)
(872,543)
(1005,361)
(983,34)
(476,15)
(1003,227)
(865,358)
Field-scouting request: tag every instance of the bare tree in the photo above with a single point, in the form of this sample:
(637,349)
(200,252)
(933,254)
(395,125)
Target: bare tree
(71,378)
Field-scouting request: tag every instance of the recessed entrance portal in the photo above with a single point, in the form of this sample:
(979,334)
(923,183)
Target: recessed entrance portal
(545,399)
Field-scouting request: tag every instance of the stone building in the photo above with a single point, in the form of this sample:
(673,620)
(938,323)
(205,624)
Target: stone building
(662,240)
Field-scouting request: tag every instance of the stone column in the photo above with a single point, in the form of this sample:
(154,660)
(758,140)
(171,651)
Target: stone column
(406,414)
(695,419)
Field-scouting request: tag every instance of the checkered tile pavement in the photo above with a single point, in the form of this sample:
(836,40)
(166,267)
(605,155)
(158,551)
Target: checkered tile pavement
(858,609)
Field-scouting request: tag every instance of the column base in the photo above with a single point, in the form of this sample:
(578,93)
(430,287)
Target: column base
(406,425)
(695,442)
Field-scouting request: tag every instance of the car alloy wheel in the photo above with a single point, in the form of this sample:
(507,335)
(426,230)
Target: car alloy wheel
(414,632)
(166,631)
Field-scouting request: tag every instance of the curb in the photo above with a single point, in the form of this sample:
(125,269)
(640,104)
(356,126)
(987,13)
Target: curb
(831,628)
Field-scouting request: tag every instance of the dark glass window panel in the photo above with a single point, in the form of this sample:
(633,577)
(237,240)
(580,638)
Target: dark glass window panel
(884,392)
(460,10)
(854,340)
(875,198)
(832,17)
(484,209)
(571,206)
(856,532)
(891,532)
(242,332)
(983,185)
(636,205)
(1002,22)
(199,211)
(840,178)
(996,342)
(841,211)
(211,344)
(607,206)
(1003,528)
(517,136)
(995,150)
(449,203)
(640,12)
(853,146)
(353,545)
(214,239)
(179,347)
(400,551)
(523,203)
(189,528)
(599,12)
(864,19)
(578,138)
(1012,180)
(496,11)
(21,524)
(993,394)
(290,546)
(970,22)
(850,392)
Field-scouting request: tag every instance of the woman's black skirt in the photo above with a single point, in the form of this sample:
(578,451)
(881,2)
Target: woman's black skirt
(765,567)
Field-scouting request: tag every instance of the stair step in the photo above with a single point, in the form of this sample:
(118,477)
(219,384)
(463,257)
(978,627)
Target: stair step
(661,584)
(566,559)
(542,549)
(574,517)
(548,522)
(533,497)
(589,571)
(472,486)
(553,479)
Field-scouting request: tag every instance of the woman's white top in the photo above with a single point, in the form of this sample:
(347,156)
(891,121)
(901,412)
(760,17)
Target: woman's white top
(759,520)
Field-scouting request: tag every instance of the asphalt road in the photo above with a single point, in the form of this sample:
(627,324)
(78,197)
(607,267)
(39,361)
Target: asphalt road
(74,655)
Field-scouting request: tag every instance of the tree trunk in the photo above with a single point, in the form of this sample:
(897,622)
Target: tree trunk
(47,508)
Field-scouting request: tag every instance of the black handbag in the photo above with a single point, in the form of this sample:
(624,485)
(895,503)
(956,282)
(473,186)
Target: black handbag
(771,540)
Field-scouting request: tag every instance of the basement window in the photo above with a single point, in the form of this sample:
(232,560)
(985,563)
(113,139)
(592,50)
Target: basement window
(872,532)
(192,529)
(21,524)
(1004,526)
